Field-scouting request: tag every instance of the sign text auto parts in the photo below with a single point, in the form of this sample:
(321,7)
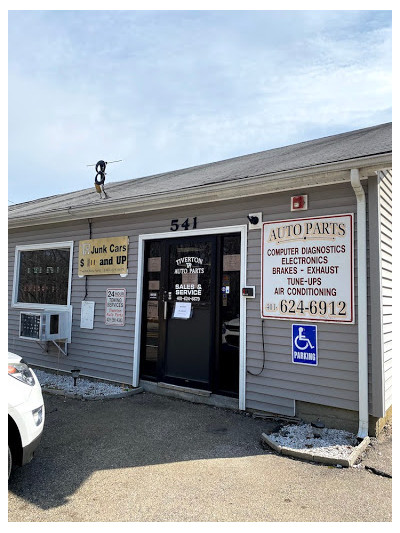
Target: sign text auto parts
(103,256)
(307,269)
(189,266)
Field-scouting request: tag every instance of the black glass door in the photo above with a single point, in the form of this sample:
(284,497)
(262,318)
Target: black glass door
(189,311)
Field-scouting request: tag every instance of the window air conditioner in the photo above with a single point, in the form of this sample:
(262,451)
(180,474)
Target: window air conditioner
(45,325)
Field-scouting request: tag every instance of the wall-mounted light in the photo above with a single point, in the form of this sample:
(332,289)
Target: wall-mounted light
(255,220)
(252,219)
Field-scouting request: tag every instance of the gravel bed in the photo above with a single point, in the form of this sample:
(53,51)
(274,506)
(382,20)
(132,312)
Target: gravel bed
(333,443)
(85,387)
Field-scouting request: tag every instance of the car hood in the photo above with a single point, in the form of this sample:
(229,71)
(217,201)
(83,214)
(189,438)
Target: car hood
(13,357)
(233,322)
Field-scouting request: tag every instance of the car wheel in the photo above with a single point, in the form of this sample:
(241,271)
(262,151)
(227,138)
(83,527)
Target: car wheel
(9,462)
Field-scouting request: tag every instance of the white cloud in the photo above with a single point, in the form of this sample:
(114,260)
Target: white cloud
(169,90)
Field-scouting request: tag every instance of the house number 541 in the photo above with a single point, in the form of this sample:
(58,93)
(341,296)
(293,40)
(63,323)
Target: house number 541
(188,223)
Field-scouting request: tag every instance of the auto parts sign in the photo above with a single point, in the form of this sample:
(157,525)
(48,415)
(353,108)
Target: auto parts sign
(307,269)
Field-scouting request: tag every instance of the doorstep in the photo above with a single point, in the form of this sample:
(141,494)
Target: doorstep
(180,388)
(189,394)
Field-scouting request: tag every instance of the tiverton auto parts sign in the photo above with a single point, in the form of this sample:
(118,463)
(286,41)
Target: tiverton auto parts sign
(307,269)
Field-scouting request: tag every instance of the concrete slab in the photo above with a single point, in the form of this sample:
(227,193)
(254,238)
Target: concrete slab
(271,443)
(188,395)
(311,456)
(189,390)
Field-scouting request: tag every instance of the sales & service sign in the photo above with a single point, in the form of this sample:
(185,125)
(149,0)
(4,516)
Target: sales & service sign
(307,269)
(103,256)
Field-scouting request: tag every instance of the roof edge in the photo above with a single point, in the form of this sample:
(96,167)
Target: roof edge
(314,176)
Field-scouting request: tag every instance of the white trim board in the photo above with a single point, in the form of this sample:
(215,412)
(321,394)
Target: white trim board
(242,229)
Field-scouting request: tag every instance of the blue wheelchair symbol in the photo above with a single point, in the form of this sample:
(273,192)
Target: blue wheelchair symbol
(304,345)
(302,342)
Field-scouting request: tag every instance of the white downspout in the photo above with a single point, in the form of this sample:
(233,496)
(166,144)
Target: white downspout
(362,304)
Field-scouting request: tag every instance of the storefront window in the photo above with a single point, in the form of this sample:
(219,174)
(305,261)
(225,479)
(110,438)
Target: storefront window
(152,299)
(228,381)
(43,276)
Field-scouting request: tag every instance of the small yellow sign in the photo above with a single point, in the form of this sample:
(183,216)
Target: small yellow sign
(103,256)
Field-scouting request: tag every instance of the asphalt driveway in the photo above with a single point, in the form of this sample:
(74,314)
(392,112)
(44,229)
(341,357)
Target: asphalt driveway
(152,458)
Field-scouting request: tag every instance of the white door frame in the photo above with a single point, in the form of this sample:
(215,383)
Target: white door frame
(242,229)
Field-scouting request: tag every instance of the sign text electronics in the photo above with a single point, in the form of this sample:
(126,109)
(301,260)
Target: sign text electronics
(307,269)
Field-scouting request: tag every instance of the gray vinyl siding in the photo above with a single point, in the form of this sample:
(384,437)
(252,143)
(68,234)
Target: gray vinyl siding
(96,351)
(385,203)
(334,381)
(107,352)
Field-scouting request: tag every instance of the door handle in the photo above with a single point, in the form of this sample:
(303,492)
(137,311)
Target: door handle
(165,309)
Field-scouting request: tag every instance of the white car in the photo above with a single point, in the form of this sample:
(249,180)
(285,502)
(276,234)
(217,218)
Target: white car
(231,332)
(25,412)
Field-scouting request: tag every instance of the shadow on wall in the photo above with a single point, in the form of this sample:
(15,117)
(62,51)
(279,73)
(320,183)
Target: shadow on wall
(81,438)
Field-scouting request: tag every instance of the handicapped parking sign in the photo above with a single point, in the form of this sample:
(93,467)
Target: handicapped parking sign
(304,344)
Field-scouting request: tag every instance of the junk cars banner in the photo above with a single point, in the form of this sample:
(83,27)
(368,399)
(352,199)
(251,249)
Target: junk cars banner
(103,256)
(307,269)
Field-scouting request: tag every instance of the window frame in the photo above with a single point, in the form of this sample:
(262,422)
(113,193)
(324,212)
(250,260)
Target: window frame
(43,246)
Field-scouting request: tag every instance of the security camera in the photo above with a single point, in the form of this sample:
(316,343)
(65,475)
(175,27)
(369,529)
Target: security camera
(252,219)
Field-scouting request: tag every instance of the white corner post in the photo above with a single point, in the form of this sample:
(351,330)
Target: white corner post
(362,304)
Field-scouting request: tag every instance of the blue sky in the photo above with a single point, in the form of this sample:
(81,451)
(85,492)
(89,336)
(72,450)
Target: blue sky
(164,90)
